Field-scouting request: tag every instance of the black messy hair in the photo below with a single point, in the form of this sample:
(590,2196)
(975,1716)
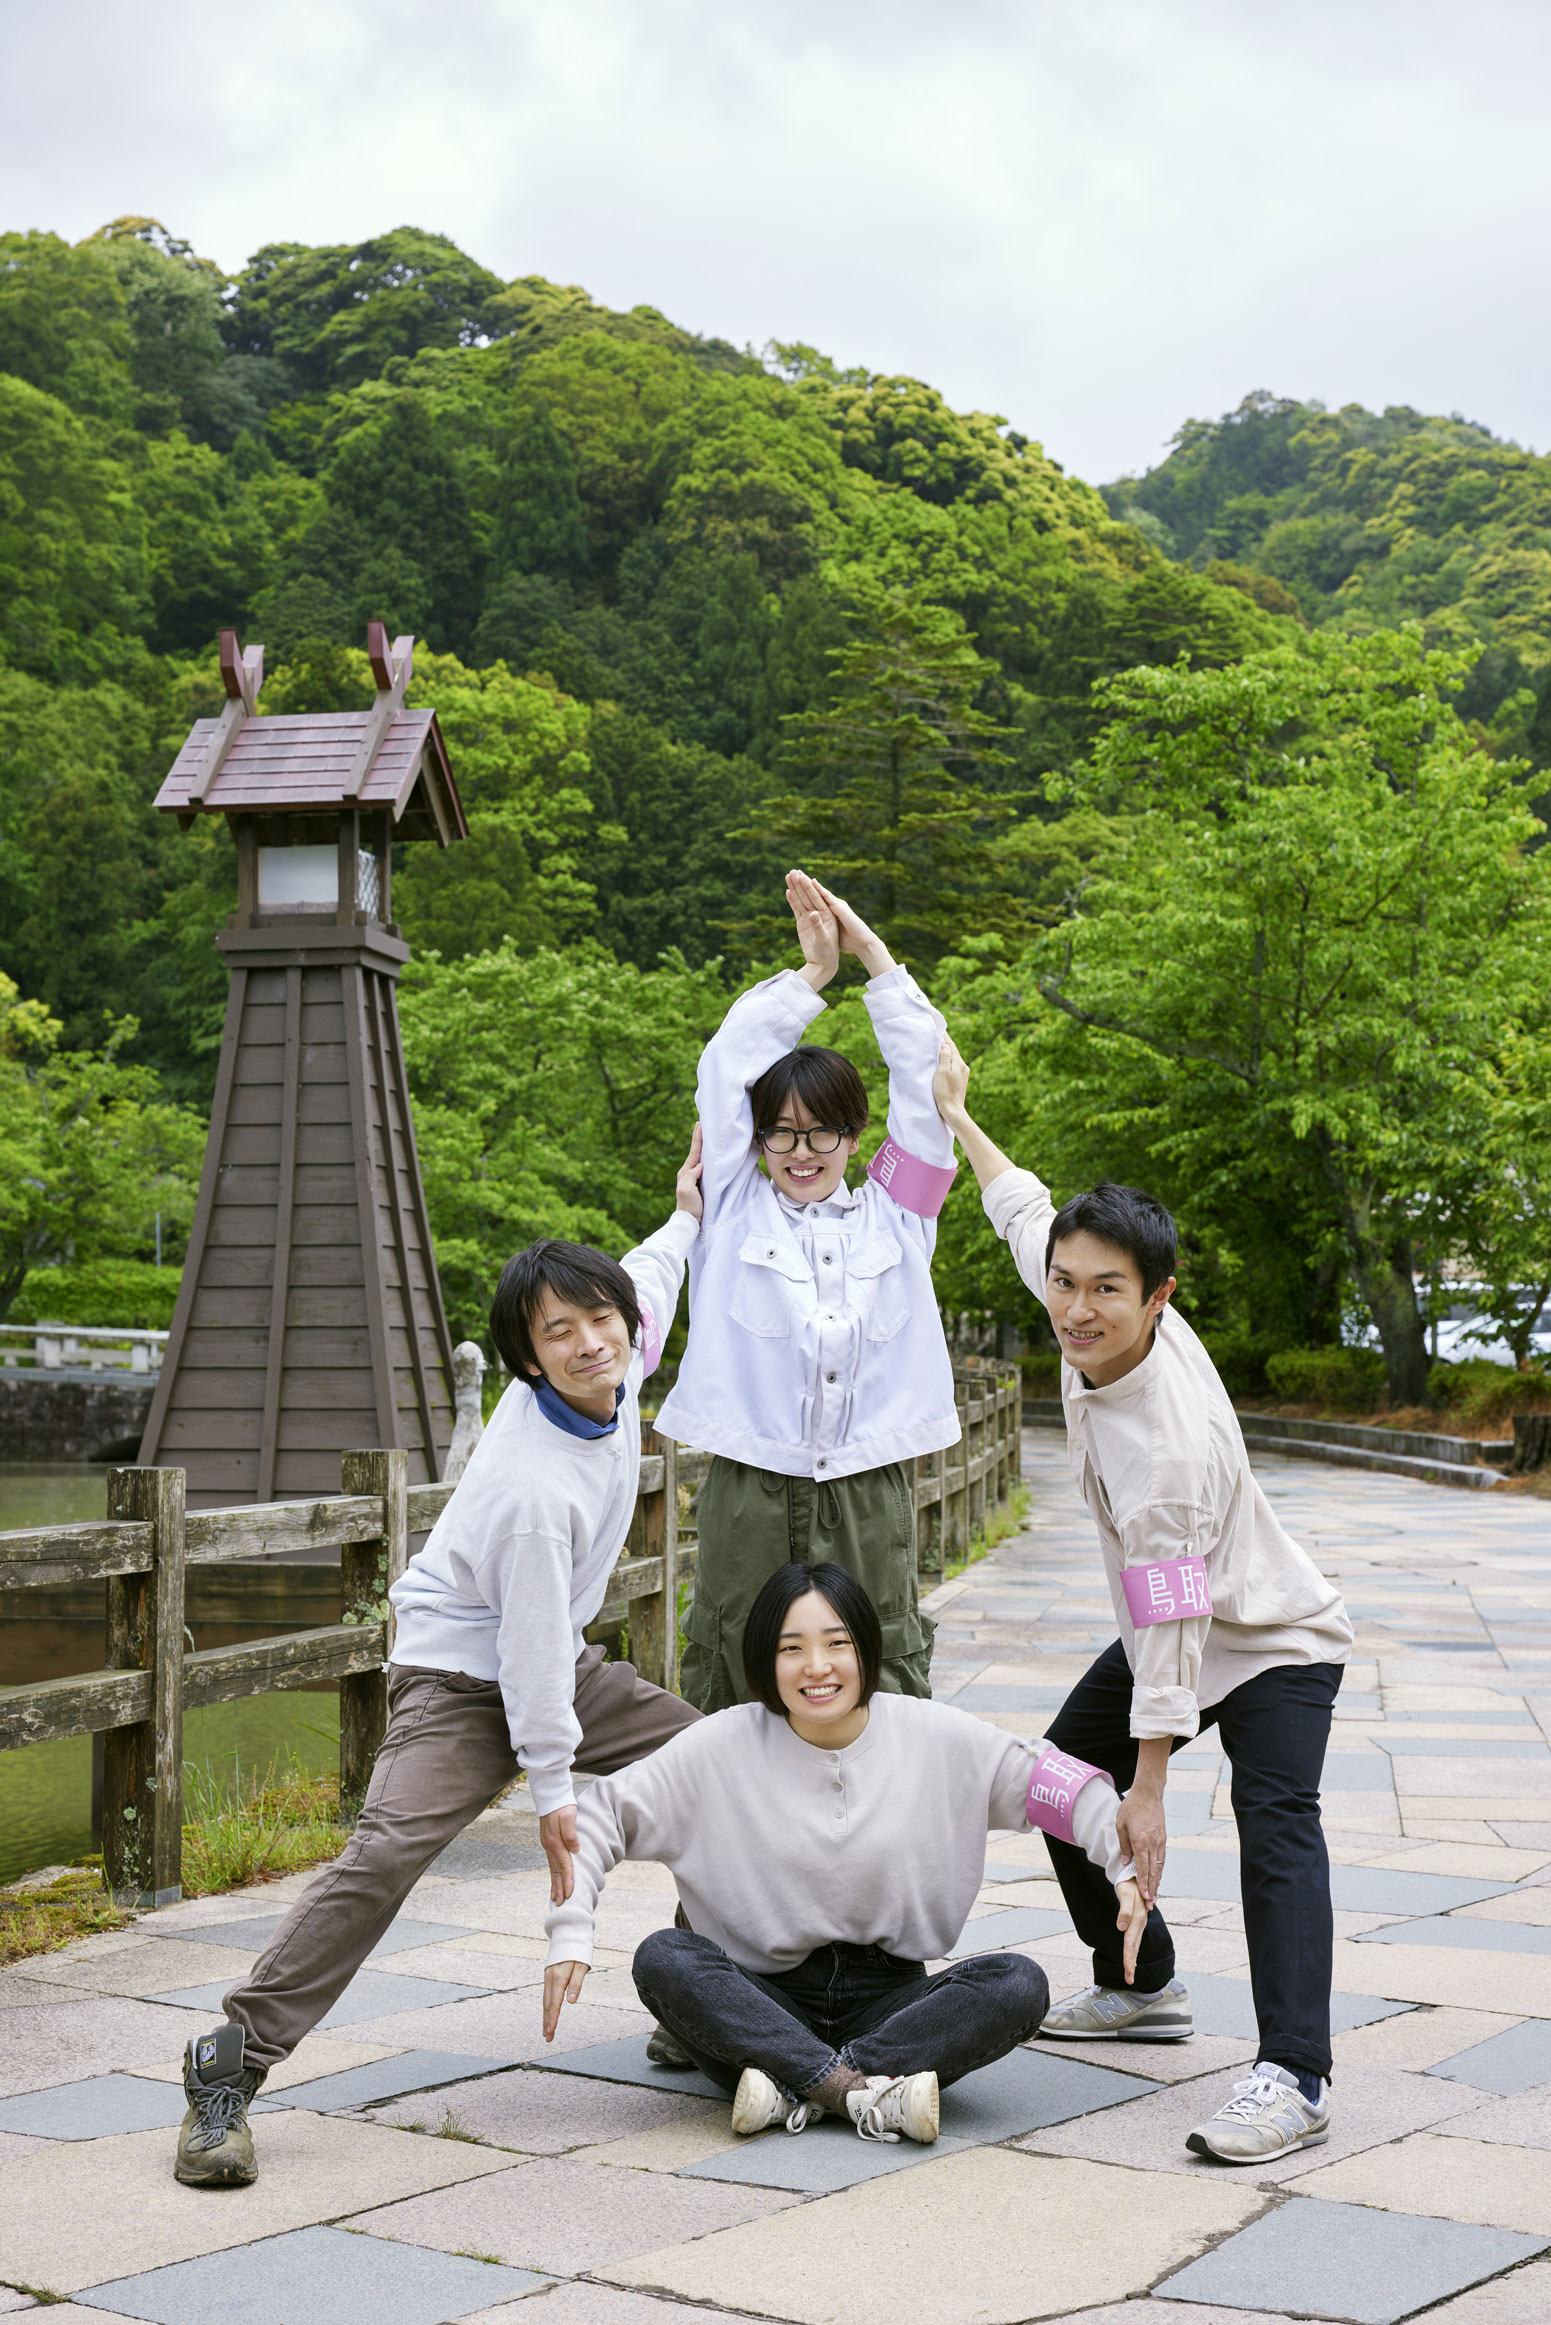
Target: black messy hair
(828,1085)
(1136,1223)
(767,1616)
(572,1270)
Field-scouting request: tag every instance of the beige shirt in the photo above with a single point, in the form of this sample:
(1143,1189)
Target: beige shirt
(1159,1459)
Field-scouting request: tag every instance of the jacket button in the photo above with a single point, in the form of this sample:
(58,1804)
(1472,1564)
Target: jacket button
(823,1465)
(830,1376)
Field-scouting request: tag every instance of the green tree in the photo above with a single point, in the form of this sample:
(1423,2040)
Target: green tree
(73,572)
(88,1151)
(1326,917)
(554,1095)
(336,314)
(539,523)
(63,327)
(892,809)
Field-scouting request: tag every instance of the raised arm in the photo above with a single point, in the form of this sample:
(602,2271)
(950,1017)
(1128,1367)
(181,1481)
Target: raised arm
(1038,1787)
(656,1267)
(1017,1204)
(915,1167)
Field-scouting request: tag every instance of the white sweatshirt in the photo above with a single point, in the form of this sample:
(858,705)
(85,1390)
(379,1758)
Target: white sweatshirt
(518,1563)
(814,1354)
(778,1847)
(1159,1459)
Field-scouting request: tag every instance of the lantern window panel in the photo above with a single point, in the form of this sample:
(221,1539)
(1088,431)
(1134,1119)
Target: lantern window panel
(292,878)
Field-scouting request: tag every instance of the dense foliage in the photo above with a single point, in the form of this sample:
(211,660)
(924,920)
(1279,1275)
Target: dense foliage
(1363,520)
(687,614)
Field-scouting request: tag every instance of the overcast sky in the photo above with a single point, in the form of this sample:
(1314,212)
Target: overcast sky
(1094,217)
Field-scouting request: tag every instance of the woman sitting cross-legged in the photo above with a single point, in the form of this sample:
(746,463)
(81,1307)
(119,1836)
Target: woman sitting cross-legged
(827,1841)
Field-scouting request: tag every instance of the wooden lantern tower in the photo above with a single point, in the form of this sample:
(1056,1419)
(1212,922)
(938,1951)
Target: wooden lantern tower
(310,1318)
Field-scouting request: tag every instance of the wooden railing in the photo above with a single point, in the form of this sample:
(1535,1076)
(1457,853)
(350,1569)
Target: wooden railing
(81,1348)
(149,1541)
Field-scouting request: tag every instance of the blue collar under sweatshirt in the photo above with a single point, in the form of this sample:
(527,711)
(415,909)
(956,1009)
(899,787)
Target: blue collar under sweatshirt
(554,1408)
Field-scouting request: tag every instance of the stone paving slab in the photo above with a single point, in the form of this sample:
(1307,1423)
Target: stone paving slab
(1505,2063)
(315,2276)
(252,1933)
(1194,1873)
(1338,2260)
(550,2114)
(1374,2105)
(992,1933)
(624,2060)
(314,2057)
(510,2023)
(1522,2121)
(984,2237)
(561,2216)
(826,2157)
(1419,2039)
(370,1994)
(78,2214)
(591,2304)
(94,2109)
(474,1967)
(1517,1984)
(145,1970)
(68,2040)
(386,2079)
(1454,2179)
(1474,1936)
(1521,2298)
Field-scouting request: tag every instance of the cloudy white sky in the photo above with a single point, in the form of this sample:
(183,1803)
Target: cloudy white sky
(1095,217)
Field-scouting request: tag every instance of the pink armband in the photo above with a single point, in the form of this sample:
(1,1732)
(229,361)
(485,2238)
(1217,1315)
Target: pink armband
(1170,1593)
(914,1185)
(651,1342)
(1054,1784)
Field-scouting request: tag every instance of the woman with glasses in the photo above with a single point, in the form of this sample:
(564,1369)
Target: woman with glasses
(816,1368)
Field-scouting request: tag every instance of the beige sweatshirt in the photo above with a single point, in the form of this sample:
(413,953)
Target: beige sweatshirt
(1159,1459)
(778,1847)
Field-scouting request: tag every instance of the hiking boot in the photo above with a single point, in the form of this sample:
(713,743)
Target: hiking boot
(665,2050)
(1267,2117)
(758,2103)
(215,2146)
(1117,2014)
(895,2107)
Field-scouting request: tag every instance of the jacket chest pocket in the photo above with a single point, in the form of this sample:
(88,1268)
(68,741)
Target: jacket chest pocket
(876,1272)
(771,1288)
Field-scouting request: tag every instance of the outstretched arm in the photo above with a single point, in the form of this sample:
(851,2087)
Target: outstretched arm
(950,1088)
(1017,1204)
(761,1026)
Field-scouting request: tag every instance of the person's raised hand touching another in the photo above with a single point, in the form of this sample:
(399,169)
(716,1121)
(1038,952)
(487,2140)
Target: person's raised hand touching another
(818,931)
(950,1083)
(557,1839)
(686,1187)
(855,935)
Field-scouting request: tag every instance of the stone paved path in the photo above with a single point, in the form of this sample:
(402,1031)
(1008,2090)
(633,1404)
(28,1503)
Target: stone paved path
(425,2158)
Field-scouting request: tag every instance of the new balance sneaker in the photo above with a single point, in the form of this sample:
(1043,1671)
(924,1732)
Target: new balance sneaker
(1118,2014)
(758,2103)
(1267,2117)
(215,2146)
(895,2107)
(664,2049)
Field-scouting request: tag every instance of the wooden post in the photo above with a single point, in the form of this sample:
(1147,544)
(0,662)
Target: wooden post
(142,1766)
(367,1572)
(654,1619)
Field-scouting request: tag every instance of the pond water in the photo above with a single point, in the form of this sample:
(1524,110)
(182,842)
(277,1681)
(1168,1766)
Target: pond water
(46,1789)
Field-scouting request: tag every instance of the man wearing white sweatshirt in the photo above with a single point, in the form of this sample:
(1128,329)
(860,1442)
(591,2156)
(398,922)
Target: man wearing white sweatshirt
(1224,1620)
(490,1672)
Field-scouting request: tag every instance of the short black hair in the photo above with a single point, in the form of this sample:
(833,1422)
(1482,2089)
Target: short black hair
(767,1617)
(573,1270)
(828,1085)
(1136,1223)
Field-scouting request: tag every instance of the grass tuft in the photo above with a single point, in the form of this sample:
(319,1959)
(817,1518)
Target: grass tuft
(41,1920)
(258,1829)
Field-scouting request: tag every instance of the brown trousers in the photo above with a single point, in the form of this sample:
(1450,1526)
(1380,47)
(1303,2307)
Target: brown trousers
(446,1754)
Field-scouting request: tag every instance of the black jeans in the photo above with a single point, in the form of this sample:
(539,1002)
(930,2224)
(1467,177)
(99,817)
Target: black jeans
(1274,1730)
(852,2006)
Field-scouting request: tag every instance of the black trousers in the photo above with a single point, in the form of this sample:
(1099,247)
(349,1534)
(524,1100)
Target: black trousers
(845,2005)
(1274,1730)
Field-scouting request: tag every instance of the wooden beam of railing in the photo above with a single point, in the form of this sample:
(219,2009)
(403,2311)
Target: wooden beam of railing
(53,1554)
(47,1709)
(300,1659)
(272,1529)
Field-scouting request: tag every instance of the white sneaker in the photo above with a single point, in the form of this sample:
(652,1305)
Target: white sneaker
(1116,2014)
(894,2107)
(758,2103)
(1267,2117)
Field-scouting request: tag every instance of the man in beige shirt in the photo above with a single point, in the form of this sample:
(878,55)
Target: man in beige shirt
(1223,1620)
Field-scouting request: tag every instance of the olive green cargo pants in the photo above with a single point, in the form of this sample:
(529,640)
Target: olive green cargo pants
(753,1521)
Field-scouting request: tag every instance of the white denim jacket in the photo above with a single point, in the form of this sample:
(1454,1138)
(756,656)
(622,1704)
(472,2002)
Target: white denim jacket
(815,1345)
(1159,1459)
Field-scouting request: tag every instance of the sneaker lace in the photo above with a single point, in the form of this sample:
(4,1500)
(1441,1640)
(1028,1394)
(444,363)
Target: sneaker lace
(872,2123)
(1253,2094)
(802,2115)
(217,2108)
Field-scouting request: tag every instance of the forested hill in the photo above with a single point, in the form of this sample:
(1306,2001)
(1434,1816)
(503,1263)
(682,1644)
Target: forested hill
(1365,520)
(645,544)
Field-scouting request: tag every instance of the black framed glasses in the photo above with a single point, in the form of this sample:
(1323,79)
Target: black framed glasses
(822,1140)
